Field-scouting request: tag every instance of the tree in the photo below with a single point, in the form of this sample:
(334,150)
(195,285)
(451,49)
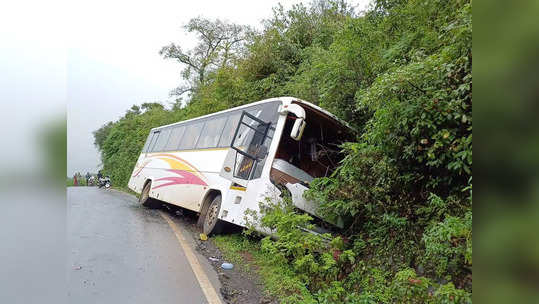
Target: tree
(100,135)
(219,43)
(148,106)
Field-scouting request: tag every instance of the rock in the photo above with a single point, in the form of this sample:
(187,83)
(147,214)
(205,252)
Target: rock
(201,246)
(224,275)
(228,294)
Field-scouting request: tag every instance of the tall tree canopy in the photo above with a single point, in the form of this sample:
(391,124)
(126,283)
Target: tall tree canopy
(219,44)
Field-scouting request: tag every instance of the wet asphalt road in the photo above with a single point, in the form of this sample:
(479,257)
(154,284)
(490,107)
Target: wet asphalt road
(120,252)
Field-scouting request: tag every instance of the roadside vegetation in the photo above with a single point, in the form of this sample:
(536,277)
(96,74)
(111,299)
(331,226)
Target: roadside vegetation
(279,279)
(400,74)
(70,182)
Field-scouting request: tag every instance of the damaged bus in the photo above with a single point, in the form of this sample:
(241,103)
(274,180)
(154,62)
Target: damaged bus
(223,164)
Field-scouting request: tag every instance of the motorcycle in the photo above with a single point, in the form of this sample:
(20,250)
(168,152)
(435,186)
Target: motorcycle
(104,182)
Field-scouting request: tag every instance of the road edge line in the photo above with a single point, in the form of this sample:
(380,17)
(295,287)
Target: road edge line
(202,278)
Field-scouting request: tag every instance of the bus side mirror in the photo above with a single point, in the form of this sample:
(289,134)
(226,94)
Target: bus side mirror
(297,129)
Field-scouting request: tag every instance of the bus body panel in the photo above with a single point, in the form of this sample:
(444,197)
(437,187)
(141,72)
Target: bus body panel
(179,177)
(185,177)
(257,190)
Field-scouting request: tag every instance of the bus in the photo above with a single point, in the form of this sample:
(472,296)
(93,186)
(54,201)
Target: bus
(224,164)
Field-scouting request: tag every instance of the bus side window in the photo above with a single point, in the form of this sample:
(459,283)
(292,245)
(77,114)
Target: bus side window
(228,131)
(162,140)
(175,138)
(147,143)
(211,133)
(192,133)
(155,136)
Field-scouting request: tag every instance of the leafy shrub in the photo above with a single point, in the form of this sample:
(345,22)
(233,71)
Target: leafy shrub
(309,254)
(448,244)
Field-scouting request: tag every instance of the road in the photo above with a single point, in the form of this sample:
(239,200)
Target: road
(120,252)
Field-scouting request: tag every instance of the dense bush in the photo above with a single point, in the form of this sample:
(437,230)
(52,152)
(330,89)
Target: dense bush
(400,74)
(336,269)
(405,185)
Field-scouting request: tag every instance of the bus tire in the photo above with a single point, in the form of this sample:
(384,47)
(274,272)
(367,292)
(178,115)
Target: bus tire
(145,199)
(211,223)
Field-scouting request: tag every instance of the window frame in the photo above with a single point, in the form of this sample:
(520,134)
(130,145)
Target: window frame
(155,137)
(190,124)
(204,121)
(173,128)
(162,131)
(208,122)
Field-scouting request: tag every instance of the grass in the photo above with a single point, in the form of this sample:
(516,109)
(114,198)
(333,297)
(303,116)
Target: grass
(70,182)
(278,278)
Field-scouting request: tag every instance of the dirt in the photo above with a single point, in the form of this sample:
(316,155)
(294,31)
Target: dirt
(238,285)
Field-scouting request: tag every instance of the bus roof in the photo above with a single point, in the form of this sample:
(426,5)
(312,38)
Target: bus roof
(323,111)
(282,99)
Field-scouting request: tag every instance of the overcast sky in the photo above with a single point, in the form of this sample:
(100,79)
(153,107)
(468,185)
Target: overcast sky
(113,60)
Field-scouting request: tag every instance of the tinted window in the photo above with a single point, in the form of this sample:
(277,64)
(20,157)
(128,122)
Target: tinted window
(147,143)
(246,133)
(230,127)
(175,138)
(269,114)
(251,140)
(162,140)
(192,133)
(211,133)
(155,136)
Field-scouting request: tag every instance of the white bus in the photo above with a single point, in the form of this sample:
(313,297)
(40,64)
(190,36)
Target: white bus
(222,164)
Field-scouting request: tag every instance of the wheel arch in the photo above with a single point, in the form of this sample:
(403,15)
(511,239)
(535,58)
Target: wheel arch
(206,201)
(147,181)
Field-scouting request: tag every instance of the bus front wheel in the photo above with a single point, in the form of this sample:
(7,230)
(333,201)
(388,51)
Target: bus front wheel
(211,223)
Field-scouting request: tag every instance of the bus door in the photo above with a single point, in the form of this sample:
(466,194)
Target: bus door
(248,148)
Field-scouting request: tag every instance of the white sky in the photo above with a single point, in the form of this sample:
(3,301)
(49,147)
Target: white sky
(111,49)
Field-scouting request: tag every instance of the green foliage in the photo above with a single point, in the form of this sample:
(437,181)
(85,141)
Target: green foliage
(335,271)
(400,74)
(70,182)
(307,253)
(219,45)
(448,244)
(279,278)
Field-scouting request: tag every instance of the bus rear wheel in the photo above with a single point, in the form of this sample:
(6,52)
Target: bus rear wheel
(211,223)
(145,199)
